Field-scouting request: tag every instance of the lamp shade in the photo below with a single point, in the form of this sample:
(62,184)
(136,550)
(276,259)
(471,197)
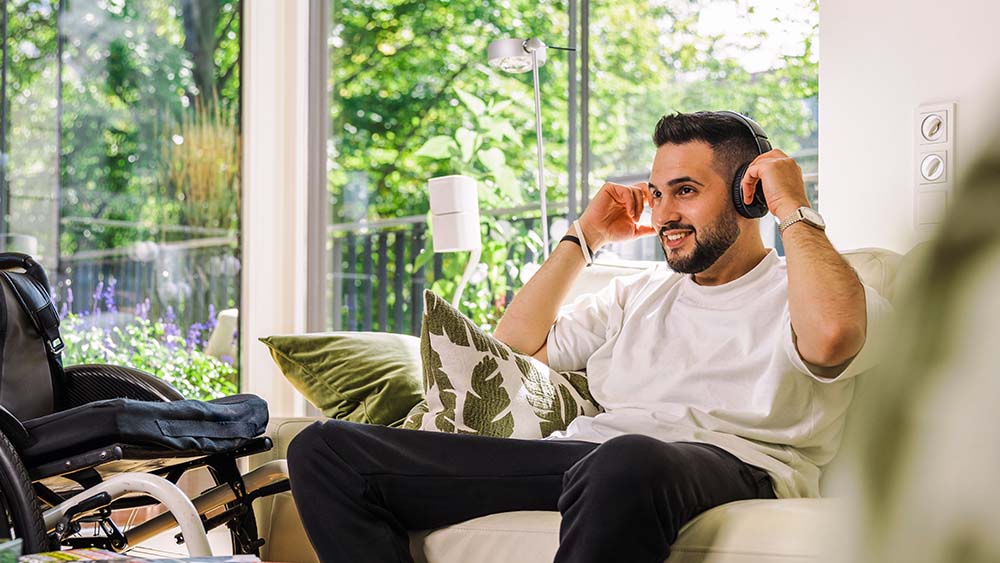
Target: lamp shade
(454,213)
(514,55)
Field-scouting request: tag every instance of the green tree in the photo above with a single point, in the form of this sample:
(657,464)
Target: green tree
(413,99)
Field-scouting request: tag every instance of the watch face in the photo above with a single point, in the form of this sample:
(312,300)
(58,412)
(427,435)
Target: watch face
(810,215)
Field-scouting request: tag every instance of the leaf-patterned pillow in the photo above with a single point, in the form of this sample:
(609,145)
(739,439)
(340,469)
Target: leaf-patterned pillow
(476,384)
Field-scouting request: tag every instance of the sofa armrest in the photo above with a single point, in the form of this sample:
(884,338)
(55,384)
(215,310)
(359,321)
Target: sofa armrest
(277,519)
(281,430)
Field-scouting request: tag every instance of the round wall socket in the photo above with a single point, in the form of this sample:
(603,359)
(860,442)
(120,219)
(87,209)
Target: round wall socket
(932,168)
(932,128)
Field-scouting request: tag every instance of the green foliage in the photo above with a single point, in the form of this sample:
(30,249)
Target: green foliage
(148,346)
(130,68)
(414,99)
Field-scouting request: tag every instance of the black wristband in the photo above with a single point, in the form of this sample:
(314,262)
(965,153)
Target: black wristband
(575,239)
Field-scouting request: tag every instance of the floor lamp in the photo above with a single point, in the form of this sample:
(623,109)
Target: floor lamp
(522,55)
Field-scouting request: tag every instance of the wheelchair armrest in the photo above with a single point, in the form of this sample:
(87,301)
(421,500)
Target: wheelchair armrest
(86,383)
(13,429)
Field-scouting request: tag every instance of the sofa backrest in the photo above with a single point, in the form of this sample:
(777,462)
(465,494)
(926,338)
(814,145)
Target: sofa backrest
(876,266)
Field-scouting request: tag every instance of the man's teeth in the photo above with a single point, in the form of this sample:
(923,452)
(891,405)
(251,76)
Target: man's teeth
(678,236)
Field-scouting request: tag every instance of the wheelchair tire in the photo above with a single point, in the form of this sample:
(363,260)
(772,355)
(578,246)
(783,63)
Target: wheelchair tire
(20,514)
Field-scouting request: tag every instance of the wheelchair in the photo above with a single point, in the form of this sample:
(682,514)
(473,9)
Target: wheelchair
(111,438)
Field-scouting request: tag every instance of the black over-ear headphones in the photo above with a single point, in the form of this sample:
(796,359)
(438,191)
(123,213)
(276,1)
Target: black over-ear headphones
(758,207)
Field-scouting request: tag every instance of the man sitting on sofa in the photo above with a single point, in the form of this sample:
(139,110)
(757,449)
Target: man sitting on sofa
(727,380)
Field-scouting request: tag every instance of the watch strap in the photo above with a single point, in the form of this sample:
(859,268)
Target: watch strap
(573,239)
(795,217)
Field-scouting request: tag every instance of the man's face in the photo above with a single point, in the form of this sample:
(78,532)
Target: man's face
(692,208)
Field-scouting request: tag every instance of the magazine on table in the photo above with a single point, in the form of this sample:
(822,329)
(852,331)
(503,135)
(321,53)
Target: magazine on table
(90,554)
(9,550)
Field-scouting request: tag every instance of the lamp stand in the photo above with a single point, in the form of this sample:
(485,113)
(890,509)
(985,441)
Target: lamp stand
(474,256)
(538,145)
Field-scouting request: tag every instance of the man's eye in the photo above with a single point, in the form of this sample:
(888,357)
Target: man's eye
(684,190)
(657,194)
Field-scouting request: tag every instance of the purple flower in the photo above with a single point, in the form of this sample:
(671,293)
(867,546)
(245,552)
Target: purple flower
(142,310)
(170,327)
(67,305)
(109,296)
(212,320)
(96,301)
(194,336)
(226,359)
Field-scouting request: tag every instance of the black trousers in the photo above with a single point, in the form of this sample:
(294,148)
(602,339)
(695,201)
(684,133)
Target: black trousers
(360,488)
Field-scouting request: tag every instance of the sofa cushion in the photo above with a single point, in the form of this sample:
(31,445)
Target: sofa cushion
(478,385)
(758,531)
(752,531)
(367,377)
(876,267)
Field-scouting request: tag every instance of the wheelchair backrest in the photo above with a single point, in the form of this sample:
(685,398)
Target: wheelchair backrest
(31,371)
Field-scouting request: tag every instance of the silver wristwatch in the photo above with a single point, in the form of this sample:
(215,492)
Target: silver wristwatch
(805,214)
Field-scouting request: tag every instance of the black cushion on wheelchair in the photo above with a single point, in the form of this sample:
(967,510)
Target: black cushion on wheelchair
(176,427)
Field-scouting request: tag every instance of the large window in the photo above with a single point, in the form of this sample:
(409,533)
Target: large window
(411,98)
(121,174)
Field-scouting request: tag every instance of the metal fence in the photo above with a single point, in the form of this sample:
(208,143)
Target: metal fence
(188,276)
(375,282)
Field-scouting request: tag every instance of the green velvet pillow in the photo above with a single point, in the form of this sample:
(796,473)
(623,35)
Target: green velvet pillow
(369,377)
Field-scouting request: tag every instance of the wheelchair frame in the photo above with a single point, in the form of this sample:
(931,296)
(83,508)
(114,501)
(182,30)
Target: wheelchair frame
(74,491)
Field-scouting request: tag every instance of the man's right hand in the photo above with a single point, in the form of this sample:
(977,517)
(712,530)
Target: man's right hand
(613,215)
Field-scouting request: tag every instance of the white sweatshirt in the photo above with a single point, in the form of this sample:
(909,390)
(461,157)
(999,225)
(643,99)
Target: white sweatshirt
(677,361)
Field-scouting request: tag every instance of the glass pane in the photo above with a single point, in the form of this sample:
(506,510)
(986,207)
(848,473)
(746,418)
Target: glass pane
(124,175)
(652,58)
(412,97)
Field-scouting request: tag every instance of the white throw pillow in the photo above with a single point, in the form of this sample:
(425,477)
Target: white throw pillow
(476,384)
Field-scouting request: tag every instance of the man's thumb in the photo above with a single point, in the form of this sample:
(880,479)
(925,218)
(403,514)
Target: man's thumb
(644,231)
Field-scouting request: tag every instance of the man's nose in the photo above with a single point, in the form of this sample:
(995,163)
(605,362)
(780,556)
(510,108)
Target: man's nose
(664,211)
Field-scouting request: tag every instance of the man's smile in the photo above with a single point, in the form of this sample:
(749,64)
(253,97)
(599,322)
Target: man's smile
(675,238)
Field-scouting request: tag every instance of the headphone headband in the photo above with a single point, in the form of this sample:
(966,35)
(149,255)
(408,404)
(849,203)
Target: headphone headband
(756,131)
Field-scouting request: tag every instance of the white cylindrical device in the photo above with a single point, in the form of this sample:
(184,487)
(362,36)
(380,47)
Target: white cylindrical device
(454,213)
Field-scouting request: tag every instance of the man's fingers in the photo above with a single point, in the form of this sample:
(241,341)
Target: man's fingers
(637,204)
(644,231)
(749,184)
(628,197)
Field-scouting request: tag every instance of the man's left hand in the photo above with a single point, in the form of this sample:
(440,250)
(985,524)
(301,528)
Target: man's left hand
(782,180)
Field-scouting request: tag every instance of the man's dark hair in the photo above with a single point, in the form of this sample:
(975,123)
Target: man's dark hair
(731,141)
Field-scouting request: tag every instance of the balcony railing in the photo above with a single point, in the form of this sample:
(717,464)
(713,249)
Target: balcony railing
(375,284)
(187,270)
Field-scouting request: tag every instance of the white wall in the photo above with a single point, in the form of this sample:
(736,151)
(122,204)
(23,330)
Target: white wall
(879,60)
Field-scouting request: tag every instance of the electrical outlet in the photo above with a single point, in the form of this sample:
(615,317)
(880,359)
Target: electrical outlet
(933,163)
(932,168)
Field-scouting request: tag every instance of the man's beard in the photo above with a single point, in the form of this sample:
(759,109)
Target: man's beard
(709,244)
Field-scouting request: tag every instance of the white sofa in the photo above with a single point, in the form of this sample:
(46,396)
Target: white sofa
(757,531)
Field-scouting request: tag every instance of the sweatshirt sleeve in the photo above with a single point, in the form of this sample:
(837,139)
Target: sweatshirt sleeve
(585,325)
(879,311)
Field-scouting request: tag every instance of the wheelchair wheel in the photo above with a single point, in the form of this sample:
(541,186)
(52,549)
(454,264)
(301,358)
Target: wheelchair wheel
(20,515)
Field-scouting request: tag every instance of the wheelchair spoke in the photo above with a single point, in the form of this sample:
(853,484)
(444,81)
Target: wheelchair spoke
(20,515)
(6,528)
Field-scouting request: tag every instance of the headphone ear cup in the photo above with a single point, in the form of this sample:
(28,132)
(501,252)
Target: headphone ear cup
(758,207)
